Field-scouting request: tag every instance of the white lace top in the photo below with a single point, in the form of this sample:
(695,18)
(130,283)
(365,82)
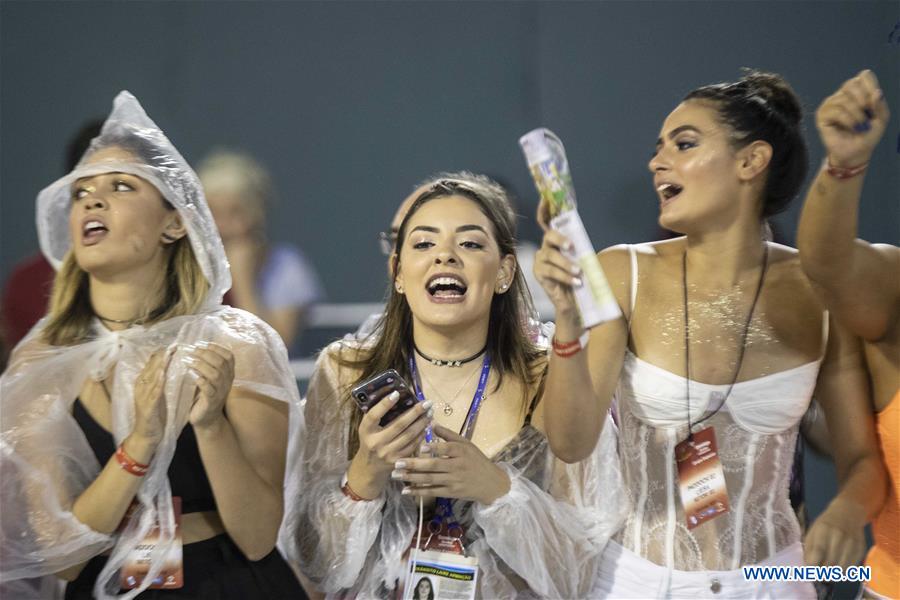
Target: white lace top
(756,431)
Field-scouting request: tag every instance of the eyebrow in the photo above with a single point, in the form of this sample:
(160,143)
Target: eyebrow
(120,173)
(676,131)
(459,229)
(425,228)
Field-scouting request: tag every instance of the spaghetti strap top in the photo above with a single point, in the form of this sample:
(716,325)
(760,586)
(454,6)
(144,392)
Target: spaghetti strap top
(756,431)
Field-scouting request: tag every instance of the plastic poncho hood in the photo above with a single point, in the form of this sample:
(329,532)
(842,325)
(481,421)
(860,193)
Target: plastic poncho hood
(159,163)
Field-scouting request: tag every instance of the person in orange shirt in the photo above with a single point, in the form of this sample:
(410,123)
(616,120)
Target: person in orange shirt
(859,283)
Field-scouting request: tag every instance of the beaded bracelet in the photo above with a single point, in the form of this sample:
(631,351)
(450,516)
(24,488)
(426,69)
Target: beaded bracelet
(129,464)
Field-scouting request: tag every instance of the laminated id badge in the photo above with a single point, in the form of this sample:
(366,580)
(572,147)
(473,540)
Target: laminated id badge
(137,565)
(434,575)
(701,479)
(439,568)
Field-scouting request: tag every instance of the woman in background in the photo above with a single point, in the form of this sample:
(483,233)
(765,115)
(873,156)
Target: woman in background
(273,281)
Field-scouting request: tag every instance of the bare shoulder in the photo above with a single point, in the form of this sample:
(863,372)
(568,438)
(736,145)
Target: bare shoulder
(889,253)
(785,270)
(615,262)
(617,259)
(782,253)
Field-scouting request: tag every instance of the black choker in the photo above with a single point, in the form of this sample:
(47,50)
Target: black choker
(449,363)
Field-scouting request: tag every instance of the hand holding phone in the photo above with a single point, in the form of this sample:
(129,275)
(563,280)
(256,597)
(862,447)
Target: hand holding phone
(392,428)
(373,390)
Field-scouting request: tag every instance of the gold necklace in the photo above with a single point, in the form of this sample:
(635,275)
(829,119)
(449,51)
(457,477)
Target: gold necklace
(445,406)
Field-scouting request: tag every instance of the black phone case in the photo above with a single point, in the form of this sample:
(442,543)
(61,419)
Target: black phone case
(370,392)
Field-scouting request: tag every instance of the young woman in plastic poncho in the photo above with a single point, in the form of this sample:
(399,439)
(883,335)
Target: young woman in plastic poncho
(139,387)
(456,295)
(721,330)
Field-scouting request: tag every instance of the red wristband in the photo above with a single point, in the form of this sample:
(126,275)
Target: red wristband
(129,464)
(348,491)
(567,349)
(844,172)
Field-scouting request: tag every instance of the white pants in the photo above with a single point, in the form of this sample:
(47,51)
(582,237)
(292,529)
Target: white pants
(624,574)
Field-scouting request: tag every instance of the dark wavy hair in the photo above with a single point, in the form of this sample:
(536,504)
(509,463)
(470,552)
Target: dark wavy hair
(762,106)
(512,353)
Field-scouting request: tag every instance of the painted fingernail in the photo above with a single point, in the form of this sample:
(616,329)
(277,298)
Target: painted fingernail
(430,413)
(400,464)
(576,282)
(190,360)
(396,474)
(202,344)
(394,396)
(406,491)
(424,448)
(575,270)
(427,405)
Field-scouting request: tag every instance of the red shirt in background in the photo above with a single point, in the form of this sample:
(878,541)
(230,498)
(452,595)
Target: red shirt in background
(25,298)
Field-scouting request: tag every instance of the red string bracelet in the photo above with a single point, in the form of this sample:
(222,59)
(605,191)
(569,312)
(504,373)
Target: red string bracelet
(129,464)
(348,491)
(844,172)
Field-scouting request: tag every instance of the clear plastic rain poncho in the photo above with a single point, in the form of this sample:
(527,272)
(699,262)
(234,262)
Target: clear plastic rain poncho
(542,539)
(46,460)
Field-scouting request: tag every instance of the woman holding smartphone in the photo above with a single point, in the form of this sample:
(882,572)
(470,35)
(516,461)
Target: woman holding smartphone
(722,344)
(144,425)
(453,328)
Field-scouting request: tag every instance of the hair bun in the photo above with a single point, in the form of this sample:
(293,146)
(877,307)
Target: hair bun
(776,91)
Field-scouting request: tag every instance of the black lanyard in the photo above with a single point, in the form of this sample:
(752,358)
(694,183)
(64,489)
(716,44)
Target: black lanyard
(743,347)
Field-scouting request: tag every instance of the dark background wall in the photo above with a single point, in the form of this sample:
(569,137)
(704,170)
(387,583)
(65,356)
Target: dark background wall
(351,103)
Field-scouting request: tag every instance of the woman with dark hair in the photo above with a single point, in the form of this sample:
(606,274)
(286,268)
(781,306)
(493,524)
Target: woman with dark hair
(424,590)
(144,425)
(457,307)
(722,344)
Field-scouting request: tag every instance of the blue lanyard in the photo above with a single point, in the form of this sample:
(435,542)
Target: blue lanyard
(444,508)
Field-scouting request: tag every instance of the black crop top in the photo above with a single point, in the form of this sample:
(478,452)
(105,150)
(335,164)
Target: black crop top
(187,476)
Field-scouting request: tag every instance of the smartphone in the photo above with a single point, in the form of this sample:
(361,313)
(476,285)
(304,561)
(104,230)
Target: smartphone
(370,392)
